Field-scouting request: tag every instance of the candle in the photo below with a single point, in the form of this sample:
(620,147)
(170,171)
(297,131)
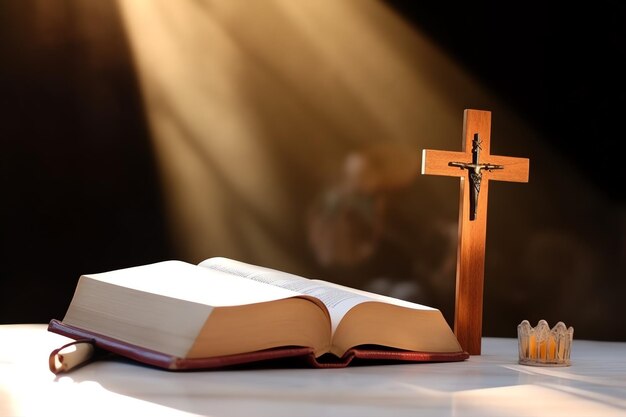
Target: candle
(542,346)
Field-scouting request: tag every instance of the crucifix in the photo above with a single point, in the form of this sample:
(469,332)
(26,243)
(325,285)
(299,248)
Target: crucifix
(475,166)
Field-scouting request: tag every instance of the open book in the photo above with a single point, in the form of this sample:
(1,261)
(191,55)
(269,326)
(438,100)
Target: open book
(176,315)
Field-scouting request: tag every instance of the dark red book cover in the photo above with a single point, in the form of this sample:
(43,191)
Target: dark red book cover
(286,355)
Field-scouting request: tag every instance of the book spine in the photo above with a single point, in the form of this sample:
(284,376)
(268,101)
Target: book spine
(385,357)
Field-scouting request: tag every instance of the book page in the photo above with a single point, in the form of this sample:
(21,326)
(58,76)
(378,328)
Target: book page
(185,281)
(337,298)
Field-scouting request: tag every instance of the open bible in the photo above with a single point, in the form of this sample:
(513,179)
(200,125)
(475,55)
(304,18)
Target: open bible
(176,315)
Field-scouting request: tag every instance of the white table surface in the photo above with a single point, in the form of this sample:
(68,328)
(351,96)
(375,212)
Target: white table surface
(492,384)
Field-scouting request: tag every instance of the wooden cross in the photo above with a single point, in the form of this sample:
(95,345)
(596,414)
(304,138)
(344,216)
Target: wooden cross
(476,166)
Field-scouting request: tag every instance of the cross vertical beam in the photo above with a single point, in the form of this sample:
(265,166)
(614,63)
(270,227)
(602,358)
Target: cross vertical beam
(475,166)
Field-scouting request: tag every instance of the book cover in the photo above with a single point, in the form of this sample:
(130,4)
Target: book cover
(281,356)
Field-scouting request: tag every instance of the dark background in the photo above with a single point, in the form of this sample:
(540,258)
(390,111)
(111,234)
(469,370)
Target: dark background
(79,185)
(80,191)
(559,64)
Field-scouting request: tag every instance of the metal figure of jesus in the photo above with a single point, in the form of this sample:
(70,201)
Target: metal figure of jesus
(475,175)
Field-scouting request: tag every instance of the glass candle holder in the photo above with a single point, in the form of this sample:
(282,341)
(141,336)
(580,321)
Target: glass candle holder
(542,346)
